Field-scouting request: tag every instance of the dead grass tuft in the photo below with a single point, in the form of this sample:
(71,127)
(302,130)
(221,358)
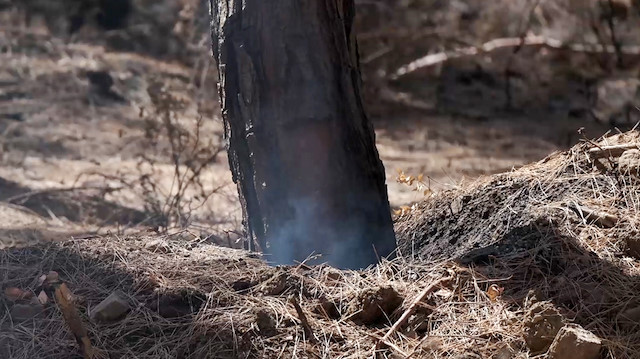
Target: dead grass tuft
(192,299)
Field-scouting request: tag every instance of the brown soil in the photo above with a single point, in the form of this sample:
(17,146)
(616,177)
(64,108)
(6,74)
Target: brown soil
(66,143)
(193,299)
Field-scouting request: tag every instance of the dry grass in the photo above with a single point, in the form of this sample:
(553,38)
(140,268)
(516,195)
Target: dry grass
(192,299)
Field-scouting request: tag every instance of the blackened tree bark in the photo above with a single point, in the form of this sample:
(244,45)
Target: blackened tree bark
(301,148)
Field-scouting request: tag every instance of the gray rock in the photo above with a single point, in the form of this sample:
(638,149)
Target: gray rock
(543,322)
(574,342)
(629,162)
(114,307)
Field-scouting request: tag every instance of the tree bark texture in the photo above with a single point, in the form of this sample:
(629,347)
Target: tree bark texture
(301,148)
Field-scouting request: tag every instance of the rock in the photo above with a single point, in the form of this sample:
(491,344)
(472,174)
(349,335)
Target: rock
(110,309)
(243,284)
(630,318)
(377,304)
(266,323)
(22,312)
(629,162)
(542,323)
(275,285)
(14,294)
(157,246)
(574,342)
(505,353)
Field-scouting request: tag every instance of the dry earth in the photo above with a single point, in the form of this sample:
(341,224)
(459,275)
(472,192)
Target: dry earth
(73,149)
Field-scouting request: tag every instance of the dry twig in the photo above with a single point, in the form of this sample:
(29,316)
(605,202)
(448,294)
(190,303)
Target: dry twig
(308,332)
(412,308)
(501,43)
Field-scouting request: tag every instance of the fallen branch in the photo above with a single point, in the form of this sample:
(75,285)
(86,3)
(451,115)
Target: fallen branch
(599,218)
(25,196)
(611,151)
(64,299)
(389,344)
(501,43)
(407,313)
(303,319)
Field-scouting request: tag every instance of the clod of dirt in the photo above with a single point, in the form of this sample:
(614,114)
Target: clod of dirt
(276,285)
(242,284)
(158,246)
(22,312)
(629,162)
(266,324)
(542,323)
(376,304)
(112,308)
(505,353)
(574,342)
(14,294)
(633,245)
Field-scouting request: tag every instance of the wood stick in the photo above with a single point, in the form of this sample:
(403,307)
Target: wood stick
(303,319)
(599,218)
(389,344)
(611,151)
(530,41)
(407,313)
(65,301)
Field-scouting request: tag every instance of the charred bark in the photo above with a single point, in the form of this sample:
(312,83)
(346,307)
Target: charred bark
(301,148)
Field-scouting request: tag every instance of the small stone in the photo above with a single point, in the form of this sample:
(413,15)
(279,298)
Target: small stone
(276,285)
(629,162)
(110,309)
(505,353)
(22,312)
(14,294)
(543,322)
(266,323)
(157,246)
(242,285)
(52,277)
(574,342)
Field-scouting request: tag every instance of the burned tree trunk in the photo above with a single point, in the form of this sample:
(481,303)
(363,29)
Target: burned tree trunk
(301,148)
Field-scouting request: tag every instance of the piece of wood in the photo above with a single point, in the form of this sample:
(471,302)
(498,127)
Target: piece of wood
(509,42)
(300,145)
(599,218)
(409,311)
(611,151)
(304,322)
(389,344)
(65,301)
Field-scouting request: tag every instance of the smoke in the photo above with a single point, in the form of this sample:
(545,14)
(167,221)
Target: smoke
(306,233)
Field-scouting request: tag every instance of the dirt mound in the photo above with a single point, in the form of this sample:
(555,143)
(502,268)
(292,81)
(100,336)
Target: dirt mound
(548,243)
(587,192)
(566,227)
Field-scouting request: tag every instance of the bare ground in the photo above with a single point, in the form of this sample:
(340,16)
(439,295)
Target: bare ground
(65,144)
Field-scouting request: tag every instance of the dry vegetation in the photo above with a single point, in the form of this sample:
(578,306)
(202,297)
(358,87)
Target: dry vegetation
(192,299)
(90,174)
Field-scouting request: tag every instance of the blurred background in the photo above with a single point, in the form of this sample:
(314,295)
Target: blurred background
(109,115)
